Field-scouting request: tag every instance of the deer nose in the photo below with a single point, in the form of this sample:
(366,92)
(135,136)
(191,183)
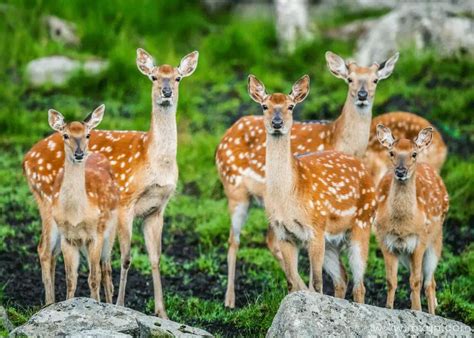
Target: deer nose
(362,95)
(400,172)
(167,92)
(79,154)
(277,123)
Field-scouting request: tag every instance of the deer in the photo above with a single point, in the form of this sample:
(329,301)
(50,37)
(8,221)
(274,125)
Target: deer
(84,204)
(403,125)
(412,205)
(240,155)
(320,200)
(144,166)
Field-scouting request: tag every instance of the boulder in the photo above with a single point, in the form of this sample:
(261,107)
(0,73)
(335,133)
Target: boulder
(57,70)
(420,26)
(311,314)
(61,30)
(84,317)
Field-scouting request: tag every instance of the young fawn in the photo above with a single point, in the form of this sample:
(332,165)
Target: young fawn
(84,204)
(402,125)
(240,156)
(320,200)
(412,205)
(143,163)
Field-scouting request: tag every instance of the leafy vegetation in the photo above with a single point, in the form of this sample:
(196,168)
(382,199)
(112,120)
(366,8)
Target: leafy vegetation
(197,224)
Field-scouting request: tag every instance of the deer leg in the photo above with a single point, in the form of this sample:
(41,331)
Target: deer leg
(71,264)
(46,251)
(333,266)
(430,261)
(316,252)
(238,209)
(94,250)
(391,271)
(272,244)
(289,253)
(358,254)
(416,263)
(152,228)
(125,225)
(106,267)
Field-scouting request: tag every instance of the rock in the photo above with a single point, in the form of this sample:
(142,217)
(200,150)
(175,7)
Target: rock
(311,314)
(61,30)
(420,26)
(57,70)
(84,317)
(292,23)
(4,321)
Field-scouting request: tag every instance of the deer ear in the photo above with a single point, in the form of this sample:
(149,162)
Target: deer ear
(93,119)
(256,89)
(386,67)
(337,65)
(385,137)
(144,62)
(56,120)
(188,64)
(424,138)
(300,89)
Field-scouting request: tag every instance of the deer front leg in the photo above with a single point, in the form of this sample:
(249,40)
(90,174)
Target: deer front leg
(152,228)
(272,244)
(391,271)
(316,248)
(125,225)
(71,264)
(94,250)
(416,263)
(289,253)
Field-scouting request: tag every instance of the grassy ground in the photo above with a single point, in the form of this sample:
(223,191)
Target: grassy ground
(197,224)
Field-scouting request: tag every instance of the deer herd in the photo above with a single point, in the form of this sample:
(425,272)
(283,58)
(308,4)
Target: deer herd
(325,186)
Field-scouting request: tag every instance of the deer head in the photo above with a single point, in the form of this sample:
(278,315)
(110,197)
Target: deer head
(278,108)
(403,152)
(75,134)
(166,78)
(362,81)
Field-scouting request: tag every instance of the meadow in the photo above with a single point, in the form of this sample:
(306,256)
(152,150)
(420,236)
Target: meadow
(193,265)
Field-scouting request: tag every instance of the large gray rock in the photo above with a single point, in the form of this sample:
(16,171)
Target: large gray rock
(84,317)
(311,314)
(57,70)
(417,25)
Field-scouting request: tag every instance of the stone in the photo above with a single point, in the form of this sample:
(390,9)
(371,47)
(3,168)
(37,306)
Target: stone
(310,314)
(57,70)
(62,30)
(84,317)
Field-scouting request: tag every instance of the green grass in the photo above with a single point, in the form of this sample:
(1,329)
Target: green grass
(441,90)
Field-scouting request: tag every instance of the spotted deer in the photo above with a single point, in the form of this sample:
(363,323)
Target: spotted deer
(240,156)
(403,125)
(320,200)
(143,163)
(412,205)
(84,204)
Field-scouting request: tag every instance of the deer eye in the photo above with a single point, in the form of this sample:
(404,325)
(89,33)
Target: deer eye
(391,154)
(88,136)
(178,79)
(66,136)
(414,155)
(376,80)
(153,78)
(264,106)
(349,80)
(290,107)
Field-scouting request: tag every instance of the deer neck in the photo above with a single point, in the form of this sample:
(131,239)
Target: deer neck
(402,198)
(352,128)
(279,169)
(163,134)
(72,193)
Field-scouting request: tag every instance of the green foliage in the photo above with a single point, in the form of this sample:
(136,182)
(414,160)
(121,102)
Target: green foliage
(196,219)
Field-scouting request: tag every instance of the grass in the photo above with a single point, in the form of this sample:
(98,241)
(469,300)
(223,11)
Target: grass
(197,224)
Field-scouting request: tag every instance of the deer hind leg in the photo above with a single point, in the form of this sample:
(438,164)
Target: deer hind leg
(106,267)
(430,261)
(71,264)
(238,209)
(47,250)
(334,267)
(152,228)
(125,225)
(416,264)
(289,253)
(358,254)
